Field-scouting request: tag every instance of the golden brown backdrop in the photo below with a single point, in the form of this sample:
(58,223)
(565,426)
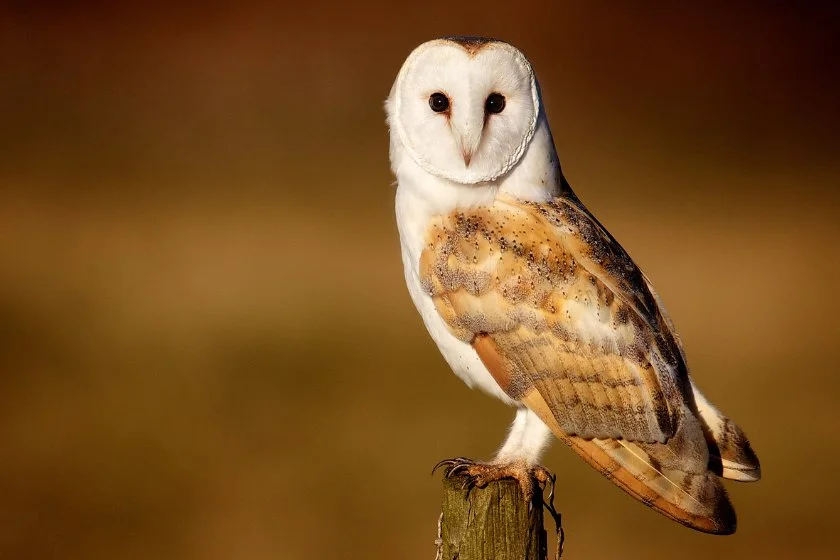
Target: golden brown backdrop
(207,348)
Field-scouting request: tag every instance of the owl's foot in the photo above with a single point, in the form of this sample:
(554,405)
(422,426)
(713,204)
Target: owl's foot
(481,474)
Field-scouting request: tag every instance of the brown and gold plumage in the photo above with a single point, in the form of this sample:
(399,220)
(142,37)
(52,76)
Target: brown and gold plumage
(567,325)
(531,299)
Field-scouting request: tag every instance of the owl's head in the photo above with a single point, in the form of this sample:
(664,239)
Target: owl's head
(465,109)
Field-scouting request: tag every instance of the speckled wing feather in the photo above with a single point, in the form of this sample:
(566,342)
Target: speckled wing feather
(566,309)
(565,322)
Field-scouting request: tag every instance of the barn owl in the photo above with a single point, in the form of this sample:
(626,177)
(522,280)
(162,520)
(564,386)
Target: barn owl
(529,298)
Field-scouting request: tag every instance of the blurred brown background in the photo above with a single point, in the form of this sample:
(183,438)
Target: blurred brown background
(208,351)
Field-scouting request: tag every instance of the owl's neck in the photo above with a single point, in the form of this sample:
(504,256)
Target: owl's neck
(535,178)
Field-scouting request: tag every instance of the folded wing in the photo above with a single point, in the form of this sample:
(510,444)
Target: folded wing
(566,324)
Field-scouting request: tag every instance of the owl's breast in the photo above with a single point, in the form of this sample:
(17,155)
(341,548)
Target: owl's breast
(414,226)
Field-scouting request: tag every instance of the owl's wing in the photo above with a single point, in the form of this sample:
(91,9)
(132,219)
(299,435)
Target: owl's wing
(731,455)
(559,308)
(564,321)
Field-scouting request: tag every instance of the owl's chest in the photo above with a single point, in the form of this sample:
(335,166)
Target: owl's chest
(462,359)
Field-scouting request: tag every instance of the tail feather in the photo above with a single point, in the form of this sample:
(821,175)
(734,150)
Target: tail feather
(698,501)
(731,455)
(673,477)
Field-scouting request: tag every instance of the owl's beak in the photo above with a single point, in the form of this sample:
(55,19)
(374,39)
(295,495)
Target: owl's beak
(468,143)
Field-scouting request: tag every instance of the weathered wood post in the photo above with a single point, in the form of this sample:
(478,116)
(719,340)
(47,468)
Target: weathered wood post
(492,523)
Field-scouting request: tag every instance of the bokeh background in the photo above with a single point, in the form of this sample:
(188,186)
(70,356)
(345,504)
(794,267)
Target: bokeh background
(208,351)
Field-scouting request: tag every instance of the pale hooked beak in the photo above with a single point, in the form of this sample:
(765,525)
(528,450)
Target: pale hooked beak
(468,143)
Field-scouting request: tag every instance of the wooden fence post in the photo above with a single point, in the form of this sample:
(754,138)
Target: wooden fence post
(492,523)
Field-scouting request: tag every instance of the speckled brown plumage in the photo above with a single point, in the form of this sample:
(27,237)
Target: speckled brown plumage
(567,324)
(563,306)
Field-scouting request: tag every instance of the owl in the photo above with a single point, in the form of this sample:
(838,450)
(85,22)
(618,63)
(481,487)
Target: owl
(530,298)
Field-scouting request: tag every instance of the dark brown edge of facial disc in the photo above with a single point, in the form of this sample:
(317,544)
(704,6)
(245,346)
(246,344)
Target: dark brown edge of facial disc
(470,44)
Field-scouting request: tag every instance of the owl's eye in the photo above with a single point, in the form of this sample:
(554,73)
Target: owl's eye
(438,102)
(495,103)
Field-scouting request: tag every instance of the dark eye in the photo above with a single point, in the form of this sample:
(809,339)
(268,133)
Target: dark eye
(438,102)
(495,103)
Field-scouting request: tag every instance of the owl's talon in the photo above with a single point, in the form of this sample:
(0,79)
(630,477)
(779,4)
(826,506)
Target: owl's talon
(553,480)
(479,475)
(451,463)
(456,469)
